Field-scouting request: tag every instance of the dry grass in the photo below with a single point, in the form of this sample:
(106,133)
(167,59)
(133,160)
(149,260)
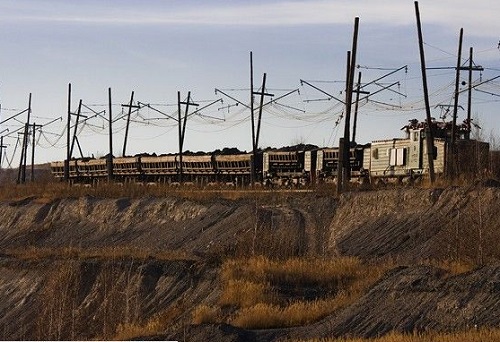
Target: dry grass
(253,286)
(52,190)
(205,314)
(483,335)
(296,270)
(154,326)
(243,293)
(264,315)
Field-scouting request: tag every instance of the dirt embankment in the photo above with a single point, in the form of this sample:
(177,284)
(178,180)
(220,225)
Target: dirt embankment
(95,268)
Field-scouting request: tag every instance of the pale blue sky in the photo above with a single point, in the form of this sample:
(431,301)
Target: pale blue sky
(156,48)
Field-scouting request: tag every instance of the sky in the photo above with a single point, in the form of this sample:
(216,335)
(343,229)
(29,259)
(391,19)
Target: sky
(158,48)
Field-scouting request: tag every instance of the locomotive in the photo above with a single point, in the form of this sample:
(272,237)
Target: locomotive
(397,159)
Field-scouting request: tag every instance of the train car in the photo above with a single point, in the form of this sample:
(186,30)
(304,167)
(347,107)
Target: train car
(406,159)
(91,170)
(284,168)
(57,169)
(402,158)
(159,168)
(233,169)
(326,163)
(127,169)
(198,169)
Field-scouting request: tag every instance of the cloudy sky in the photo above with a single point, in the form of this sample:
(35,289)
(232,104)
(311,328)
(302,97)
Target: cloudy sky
(158,47)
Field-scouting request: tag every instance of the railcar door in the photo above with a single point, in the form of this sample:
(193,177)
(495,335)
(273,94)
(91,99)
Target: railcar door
(415,150)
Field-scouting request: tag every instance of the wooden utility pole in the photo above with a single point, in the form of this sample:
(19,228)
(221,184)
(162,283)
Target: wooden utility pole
(356,106)
(457,89)
(2,147)
(78,114)
(21,162)
(451,158)
(254,151)
(340,167)
(262,93)
(182,127)
(35,126)
(429,138)
(21,175)
(130,106)
(110,154)
(344,166)
(349,91)
(68,129)
(469,97)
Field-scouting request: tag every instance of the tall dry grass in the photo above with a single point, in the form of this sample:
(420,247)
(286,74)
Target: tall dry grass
(205,314)
(254,288)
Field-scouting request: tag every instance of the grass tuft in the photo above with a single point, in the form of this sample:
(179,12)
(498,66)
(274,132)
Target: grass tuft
(205,314)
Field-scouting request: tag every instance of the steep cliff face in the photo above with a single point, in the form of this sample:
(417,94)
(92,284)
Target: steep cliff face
(97,268)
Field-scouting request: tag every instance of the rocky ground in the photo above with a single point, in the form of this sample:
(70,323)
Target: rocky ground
(85,268)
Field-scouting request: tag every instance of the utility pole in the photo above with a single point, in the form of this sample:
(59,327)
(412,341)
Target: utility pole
(344,161)
(255,134)
(342,142)
(78,115)
(130,106)
(2,147)
(254,152)
(182,127)
(452,148)
(21,175)
(262,93)
(356,107)
(110,154)
(457,89)
(35,126)
(469,97)
(429,138)
(68,129)
(255,145)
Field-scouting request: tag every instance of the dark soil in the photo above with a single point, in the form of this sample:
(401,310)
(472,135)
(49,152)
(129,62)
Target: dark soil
(69,295)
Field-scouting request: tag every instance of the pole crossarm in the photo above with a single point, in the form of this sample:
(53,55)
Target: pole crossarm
(281,97)
(378,91)
(232,98)
(384,76)
(302,82)
(147,105)
(14,116)
(481,83)
(204,107)
(93,111)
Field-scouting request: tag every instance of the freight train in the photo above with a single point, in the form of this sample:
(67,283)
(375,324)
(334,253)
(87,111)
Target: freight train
(398,159)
